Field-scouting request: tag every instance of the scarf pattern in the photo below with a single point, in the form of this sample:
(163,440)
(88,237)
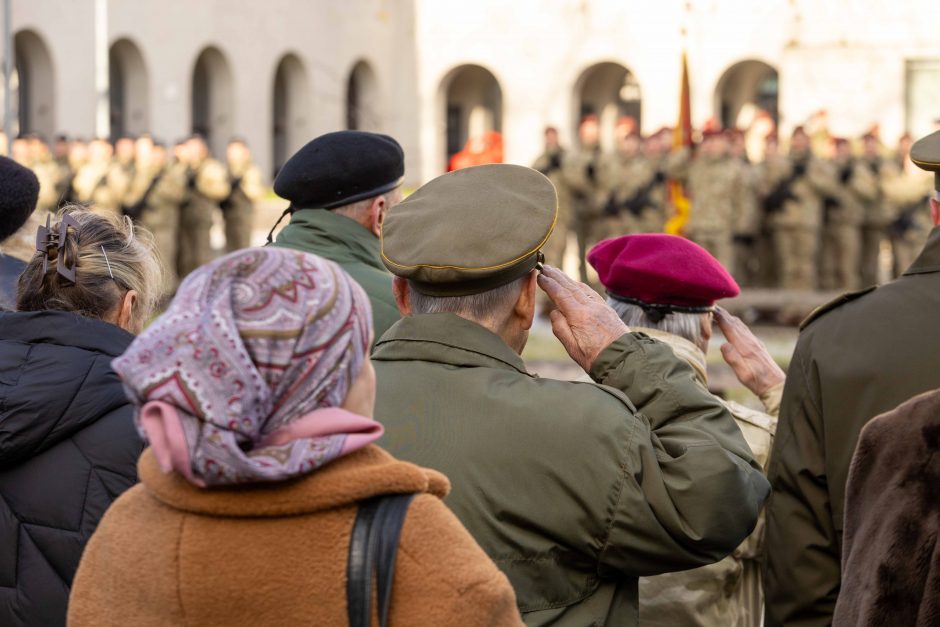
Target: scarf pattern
(252,343)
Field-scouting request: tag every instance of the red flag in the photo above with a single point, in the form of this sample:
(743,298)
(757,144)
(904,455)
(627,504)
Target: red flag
(682,136)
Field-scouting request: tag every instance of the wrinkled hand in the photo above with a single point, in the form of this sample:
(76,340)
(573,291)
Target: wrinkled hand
(747,356)
(583,323)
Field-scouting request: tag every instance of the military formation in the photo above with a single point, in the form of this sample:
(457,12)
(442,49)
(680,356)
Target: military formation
(797,218)
(177,193)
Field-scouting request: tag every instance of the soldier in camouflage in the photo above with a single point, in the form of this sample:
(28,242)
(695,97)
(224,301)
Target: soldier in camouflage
(843,214)
(238,209)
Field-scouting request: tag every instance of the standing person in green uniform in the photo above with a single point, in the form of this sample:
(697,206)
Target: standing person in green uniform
(857,357)
(574,489)
(340,186)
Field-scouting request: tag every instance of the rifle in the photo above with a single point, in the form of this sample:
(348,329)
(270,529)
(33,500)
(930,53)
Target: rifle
(905,220)
(639,201)
(137,209)
(235,184)
(554,163)
(781,193)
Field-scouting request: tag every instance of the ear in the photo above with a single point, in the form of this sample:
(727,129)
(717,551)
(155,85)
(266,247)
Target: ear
(377,215)
(402,295)
(525,305)
(125,316)
(707,329)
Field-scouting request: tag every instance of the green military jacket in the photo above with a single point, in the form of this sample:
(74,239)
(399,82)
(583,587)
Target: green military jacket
(574,489)
(857,358)
(354,248)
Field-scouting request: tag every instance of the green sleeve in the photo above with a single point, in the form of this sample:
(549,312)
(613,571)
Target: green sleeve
(801,571)
(691,490)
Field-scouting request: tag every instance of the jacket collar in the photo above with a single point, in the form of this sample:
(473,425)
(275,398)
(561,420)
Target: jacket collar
(342,238)
(929,258)
(684,350)
(449,339)
(64,328)
(367,472)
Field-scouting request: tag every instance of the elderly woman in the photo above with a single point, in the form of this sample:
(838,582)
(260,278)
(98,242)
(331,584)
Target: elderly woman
(68,446)
(255,393)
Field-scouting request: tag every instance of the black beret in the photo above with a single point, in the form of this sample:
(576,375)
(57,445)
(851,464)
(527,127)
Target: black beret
(19,191)
(340,168)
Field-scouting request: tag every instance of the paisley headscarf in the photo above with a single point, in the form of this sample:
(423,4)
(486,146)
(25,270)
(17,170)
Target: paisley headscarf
(242,378)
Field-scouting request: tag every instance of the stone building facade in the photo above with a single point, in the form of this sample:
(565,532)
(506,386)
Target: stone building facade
(431,72)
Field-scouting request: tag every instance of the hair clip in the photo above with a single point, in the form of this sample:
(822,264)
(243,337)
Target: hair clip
(52,245)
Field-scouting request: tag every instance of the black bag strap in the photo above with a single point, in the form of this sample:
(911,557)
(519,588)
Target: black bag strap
(373,548)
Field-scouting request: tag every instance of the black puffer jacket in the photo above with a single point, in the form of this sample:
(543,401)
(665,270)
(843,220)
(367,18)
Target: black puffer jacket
(68,448)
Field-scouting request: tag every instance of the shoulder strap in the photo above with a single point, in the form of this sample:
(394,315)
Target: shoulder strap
(822,310)
(373,548)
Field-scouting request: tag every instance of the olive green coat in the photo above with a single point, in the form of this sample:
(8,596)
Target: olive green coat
(856,358)
(570,489)
(354,248)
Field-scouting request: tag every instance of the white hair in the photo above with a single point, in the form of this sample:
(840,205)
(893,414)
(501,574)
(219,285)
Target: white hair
(685,325)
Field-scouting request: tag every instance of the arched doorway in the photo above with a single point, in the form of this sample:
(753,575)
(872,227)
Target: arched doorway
(213,113)
(290,111)
(129,90)
(473,105)
(745,89)
(35,85)
(611,92)
(362,99)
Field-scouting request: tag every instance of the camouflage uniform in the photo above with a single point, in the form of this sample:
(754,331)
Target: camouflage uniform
(714,185)
(875,224)
(49,175)
(101,185)
(239,208)
(843,214)
(208,185)
(727,593)
(746,228)
(635,185)
(906,192)
(796,222)
(581,172)
(161,191)
(551,163)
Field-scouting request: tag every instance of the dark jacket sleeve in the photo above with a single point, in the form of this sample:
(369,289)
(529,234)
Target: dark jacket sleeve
(801,571)
(691,490)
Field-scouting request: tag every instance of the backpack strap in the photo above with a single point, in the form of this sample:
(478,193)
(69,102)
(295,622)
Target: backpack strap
(373,548)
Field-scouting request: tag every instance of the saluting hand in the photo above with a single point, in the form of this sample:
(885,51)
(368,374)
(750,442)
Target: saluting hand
(747,355)
(583,323)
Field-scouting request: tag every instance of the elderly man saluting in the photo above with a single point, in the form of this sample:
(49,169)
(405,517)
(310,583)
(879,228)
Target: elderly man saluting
(666,287)
(574,489)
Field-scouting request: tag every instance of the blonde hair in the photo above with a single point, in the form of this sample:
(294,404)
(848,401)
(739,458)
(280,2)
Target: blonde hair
(111,257)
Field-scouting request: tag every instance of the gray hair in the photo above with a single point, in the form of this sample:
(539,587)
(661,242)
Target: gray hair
(685,325)
(493,305)
(358,210)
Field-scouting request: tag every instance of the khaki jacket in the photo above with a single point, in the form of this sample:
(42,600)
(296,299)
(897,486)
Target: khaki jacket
(210,186)
(169,553)
(574,489)
(856,358)
(726,594)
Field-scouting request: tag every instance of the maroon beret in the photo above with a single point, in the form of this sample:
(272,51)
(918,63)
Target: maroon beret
(658,269)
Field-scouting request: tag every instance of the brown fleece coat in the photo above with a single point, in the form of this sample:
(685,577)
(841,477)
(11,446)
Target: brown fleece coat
(891,550)
(169,553)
